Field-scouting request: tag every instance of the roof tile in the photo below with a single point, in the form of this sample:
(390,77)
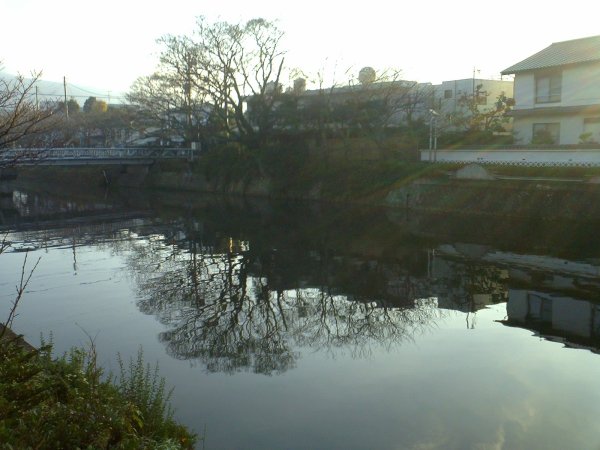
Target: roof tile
(560,54)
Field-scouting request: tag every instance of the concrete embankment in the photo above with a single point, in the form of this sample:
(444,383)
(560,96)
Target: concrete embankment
(510,196)
(546,199)
(442,192)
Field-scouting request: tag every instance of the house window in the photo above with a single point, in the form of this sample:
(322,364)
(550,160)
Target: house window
(546,133)
(448,93)
(548,87)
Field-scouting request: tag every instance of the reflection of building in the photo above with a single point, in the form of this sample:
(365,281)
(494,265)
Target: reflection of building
(467,287)
(546,271)
(578,321)
(556,93)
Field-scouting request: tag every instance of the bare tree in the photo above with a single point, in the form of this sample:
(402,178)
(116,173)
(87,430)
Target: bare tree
(473,116)
(235,68)
(368,106)
(383,101)
(170,99)
(20,116)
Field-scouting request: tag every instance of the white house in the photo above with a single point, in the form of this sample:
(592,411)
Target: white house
(557,94)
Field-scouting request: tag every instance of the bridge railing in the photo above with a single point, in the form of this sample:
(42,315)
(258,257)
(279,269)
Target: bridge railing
(29,155)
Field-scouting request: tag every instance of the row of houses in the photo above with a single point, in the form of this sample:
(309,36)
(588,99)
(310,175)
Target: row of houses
(556,95)
(396,102)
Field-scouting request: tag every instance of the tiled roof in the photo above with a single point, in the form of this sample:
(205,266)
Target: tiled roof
(560,54)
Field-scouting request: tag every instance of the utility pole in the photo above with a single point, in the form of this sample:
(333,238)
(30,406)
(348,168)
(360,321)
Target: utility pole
(66,104)
(37,103)
(433,135)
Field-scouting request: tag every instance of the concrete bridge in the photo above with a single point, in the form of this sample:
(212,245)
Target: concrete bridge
(77,156)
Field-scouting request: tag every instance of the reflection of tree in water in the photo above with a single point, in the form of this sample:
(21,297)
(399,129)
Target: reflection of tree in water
(223,311)
(469,285)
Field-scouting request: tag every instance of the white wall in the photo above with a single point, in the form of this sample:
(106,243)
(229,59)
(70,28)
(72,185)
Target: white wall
(580,87)
(571,127)
(517,308)
(524,90)
(523,157)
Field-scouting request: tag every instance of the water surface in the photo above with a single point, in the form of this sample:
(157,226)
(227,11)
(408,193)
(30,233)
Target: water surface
(314,326)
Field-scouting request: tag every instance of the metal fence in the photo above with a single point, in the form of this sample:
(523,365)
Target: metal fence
(23,156)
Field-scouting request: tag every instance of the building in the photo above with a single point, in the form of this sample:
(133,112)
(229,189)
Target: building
(394,103)
(450,96)
(574,322)
(557,94)
(368,104)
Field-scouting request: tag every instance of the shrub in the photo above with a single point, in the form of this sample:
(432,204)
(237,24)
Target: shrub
(64,403)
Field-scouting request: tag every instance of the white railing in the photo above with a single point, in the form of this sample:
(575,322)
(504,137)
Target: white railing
(31,155)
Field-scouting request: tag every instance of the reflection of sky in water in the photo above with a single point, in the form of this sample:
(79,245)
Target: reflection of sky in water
(448,387)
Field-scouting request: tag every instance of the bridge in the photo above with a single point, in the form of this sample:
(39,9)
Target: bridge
(78,156)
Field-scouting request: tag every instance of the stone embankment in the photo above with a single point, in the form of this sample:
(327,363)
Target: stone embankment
(472,190)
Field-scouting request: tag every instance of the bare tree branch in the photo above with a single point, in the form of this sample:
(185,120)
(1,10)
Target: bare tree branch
(21,287)
(20,116)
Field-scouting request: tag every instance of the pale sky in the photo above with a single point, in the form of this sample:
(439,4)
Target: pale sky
(108,44)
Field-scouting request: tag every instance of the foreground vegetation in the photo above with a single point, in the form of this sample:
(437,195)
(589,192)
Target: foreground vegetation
(66,403)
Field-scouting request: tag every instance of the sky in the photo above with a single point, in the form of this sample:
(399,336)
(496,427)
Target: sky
(105,45)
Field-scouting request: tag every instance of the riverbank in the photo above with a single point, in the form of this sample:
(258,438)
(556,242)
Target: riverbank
(552,193)
(40,395)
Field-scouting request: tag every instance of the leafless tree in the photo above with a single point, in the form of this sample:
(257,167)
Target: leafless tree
(236,68)
(367,106)
(20,116)
(385,100)
(473,116)
(171,99)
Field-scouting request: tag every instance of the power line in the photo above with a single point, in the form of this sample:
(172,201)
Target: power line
(84,96)
(109,96)
(82,89)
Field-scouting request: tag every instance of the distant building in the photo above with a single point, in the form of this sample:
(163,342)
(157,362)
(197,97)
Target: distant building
(388,103)
(450,95)
(403,100)
(557,94)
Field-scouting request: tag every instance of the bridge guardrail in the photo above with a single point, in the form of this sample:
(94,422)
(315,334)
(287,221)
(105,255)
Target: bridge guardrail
(32,155)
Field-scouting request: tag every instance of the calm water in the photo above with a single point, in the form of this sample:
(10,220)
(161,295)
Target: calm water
(305,326)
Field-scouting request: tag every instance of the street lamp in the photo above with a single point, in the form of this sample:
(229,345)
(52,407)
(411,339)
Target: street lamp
(433,134)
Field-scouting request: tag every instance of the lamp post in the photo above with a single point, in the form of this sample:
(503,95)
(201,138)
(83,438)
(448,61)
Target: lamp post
(433,134)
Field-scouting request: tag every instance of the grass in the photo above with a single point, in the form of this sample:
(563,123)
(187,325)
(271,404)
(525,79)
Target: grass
(545,172)
(66,403)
